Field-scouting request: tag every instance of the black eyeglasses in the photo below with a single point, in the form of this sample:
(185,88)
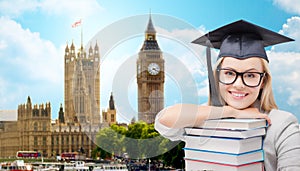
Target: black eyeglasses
(250,79)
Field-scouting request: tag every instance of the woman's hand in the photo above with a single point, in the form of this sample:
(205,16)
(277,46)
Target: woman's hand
(251,113)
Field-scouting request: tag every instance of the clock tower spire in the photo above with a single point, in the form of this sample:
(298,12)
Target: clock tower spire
(150,76)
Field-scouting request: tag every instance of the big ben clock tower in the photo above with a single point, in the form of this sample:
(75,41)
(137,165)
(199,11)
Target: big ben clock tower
(150,77)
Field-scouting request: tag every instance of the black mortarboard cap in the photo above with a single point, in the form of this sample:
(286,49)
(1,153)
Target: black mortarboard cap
(241,40)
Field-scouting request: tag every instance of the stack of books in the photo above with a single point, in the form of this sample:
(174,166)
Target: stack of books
(225,144)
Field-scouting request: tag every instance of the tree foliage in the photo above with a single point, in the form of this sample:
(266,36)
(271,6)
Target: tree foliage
(139,140)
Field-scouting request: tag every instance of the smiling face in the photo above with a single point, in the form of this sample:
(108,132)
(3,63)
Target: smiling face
(238,95)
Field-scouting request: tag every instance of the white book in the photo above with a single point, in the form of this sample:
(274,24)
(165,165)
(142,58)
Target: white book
(225,132)
(224,158)
(225,145)
(193,165)
(239,124)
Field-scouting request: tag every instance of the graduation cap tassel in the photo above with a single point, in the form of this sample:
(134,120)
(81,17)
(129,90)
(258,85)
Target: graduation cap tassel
(214,96)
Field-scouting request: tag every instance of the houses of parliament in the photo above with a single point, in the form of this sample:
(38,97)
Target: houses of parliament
(79,120)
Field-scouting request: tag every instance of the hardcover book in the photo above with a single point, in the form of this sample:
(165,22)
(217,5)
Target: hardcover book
(197,165)
(225,158)
(239,124)
(225,145)
(225,132)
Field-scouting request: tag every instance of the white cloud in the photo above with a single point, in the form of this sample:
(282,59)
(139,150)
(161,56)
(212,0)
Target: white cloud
(29,66)
(24,49)
(285,62)
(290,6)
(286,75)
(17,7)
(2,44)
(74,9)
(291,29)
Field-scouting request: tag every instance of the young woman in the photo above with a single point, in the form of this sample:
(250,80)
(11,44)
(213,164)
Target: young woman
(243,79)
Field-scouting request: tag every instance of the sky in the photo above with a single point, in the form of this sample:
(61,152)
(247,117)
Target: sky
(34,34)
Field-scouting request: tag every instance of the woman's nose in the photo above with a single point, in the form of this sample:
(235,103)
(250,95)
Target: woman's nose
(239,82)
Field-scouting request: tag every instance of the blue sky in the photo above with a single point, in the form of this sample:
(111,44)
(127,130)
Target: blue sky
(34,33)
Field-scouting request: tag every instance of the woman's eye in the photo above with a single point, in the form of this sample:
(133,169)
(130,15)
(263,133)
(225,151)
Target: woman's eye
(229,73)
(250,75)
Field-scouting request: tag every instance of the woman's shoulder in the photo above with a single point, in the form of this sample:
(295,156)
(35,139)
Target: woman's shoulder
(281,115)
(281,120)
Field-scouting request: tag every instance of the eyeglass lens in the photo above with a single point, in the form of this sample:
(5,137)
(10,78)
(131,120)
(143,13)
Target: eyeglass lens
(229,76)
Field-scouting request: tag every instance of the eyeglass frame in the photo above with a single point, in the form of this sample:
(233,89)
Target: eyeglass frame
(261,74)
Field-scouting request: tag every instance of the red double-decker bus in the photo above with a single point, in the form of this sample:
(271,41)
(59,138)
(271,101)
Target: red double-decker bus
(69,155)
(28,154)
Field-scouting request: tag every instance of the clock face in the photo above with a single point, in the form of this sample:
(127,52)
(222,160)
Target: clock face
(153,68)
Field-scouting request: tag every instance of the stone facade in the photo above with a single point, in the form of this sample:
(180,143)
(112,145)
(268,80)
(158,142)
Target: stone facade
(109,116)
(150,77)
(82,85)
(34,131)
(76,128)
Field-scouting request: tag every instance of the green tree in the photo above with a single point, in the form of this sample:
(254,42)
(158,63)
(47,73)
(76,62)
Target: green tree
(132,141)
(140,140)
(174,157)
(110,140)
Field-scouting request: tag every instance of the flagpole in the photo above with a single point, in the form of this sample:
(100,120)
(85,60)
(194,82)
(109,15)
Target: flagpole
(76,24)
(81,35)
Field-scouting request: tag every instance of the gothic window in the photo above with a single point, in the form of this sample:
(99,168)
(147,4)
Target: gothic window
(35,126)
(35,112)
(44,112)
(35,141)
(62,140)
(76,104)
(112,118)
(45,126)
(57,140)
(44,141)
(81,101)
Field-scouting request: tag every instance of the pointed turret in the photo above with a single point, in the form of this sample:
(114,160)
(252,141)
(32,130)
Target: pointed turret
(72,48)
(90,51)
(111,102)
(150,42)
(96,48)
(150,27)
(61,116)
(28,100)
(67,48)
